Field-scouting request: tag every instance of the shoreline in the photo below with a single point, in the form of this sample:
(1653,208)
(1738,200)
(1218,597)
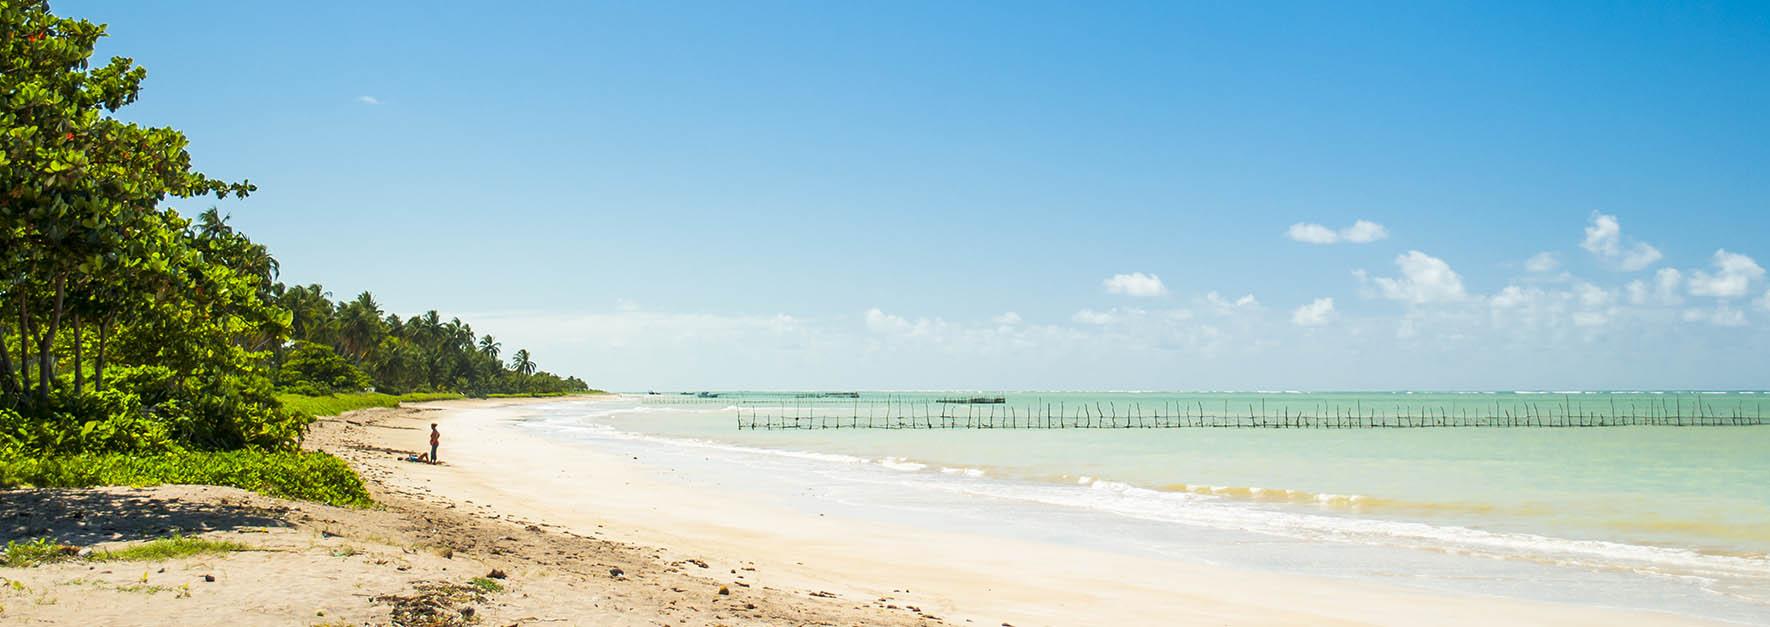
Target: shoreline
(568,533)
(986,580)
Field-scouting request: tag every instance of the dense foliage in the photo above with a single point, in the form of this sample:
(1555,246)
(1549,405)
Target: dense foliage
(129,328)
(420,353)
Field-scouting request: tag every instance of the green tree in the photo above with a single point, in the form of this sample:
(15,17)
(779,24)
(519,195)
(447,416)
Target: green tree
(360,327)
(520,362)
(316,369)
(80,187)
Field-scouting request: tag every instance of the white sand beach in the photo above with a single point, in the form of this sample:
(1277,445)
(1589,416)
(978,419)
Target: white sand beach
(957,577)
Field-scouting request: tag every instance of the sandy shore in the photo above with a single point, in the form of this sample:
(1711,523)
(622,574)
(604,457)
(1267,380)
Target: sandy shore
(959,578)
(558,520)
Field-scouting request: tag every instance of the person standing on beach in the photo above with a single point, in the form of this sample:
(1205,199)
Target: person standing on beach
(435,438)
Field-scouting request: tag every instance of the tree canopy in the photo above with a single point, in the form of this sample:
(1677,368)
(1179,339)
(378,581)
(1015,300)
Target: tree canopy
(126,325)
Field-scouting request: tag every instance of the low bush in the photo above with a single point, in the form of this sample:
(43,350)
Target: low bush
(309,476)
(339,403)
(34,552)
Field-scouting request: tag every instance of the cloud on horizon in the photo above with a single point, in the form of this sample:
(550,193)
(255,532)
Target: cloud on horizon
(1421,325)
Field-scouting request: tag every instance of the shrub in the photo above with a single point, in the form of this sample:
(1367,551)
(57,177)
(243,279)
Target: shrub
(309,476)
(316,370)
(33,552)
(335,404)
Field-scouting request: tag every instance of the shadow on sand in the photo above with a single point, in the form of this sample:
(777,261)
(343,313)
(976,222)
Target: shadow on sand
(86,516)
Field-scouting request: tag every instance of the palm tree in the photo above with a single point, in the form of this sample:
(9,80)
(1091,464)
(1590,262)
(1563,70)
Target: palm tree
(489,347)
(520,362)
(360,325)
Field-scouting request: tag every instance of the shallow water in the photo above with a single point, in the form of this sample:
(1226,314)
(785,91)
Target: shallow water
(1665,518)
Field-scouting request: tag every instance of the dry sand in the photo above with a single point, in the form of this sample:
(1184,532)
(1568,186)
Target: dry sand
(556,518)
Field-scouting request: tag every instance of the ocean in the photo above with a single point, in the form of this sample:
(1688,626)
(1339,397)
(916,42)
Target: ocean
(1663,518)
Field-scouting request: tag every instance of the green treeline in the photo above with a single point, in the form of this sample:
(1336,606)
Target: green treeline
(353,345)
(129,328)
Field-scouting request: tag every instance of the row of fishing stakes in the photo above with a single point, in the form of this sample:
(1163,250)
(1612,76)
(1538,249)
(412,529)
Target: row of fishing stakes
(934,414)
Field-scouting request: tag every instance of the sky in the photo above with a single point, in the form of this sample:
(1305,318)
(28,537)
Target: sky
(1028,195)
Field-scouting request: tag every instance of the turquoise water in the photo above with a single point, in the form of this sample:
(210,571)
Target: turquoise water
(1672,507)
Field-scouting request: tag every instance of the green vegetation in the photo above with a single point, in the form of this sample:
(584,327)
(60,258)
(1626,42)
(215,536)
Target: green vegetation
(486,585)
(34,552)
(340,403)
(547,394)
(141,346)
(420,353)
(302,475)
(169,548)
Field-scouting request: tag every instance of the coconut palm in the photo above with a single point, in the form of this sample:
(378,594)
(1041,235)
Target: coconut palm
(360,326)
(520,362)
(489,347)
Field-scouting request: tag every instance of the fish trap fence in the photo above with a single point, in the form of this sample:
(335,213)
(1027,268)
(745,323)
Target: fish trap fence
(936,415)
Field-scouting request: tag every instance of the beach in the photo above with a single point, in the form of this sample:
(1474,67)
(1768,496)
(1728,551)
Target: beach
(958,577)
(556,516)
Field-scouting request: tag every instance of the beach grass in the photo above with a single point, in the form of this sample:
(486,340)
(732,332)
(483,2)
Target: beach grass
(33,552)
(169,548)
(340,403)
(303,475)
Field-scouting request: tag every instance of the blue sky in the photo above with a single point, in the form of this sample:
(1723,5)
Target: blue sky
(971,195)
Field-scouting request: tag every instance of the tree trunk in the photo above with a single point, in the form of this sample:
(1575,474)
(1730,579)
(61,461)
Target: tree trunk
(104,329)
(46,347)
(8,386)
(79,376)
(24,347)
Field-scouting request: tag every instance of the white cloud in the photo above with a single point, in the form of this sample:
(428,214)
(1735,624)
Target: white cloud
(1720,316)
(1584,305)
(368,100)
(1639,257)
(1514,296)
(1364,232)
(1089,316)
(1637,292)
(1310,233)
(1764,302)
(1135,284)
(1542,262)
(880,322)
(1733,277)
(1007,319)
(1424,279)
(1314,314)
(1361,232)
(1666,282)
(1592,295)
(1604,239)
(1226,306)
